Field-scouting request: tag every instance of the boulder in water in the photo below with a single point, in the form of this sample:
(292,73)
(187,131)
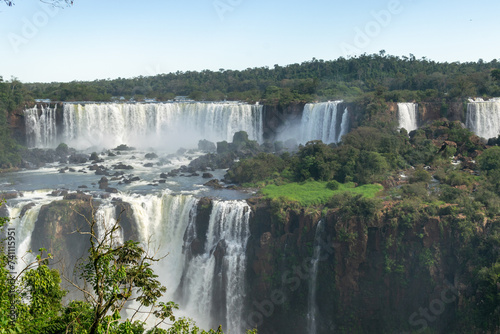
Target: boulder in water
(214,183)
(124,147)
(111,190)
(151,156)
(121,165)
(78,158)
(103,183)
(207,146)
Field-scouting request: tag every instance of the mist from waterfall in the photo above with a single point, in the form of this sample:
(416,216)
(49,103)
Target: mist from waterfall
(483,118)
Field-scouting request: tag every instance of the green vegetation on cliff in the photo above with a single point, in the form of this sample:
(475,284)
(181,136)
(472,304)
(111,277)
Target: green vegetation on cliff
(13,94)
(317,192)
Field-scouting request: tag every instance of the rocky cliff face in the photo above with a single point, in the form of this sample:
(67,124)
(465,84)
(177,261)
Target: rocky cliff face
(395,271)
(374,276)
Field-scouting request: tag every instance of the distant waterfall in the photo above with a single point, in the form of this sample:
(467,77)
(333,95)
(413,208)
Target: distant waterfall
(311,301)
(163,125)
(324,121)
(215,280)
(407,116)
(483,118)
(41,126)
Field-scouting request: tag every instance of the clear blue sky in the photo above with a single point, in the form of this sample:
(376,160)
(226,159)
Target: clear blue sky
(121,38)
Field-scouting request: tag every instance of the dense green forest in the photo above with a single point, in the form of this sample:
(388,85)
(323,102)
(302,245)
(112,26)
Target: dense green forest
(397,78)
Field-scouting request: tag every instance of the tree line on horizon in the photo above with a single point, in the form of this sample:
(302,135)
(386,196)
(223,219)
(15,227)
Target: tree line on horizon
(397,79)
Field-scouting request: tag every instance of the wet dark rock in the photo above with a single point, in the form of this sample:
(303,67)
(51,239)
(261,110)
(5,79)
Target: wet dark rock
(151,156)
(78,196)
(124,147)
(162,181)
(122,166)
(103,183)
(207,146)
(194,174)
(214,183)
(10,195)
(82,186)
(163,175)
(78,158)
(111,190)
(149,164)
(72,170)
(181,151)
(111,154)
(173,173)
(164,161)
(135,178)
(4,211)
(207,175)
(26,208)
(94,156)
(59,193)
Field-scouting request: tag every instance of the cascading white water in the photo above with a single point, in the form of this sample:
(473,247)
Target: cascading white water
(161,224)
(227,235)
(483,118)
(106,221)
(209,285)
(324,121)
(23,225)
(407,116)
(311,301)
(163,125)
(41,126)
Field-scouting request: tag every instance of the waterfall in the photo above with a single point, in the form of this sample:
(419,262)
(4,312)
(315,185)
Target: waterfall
(161,222)
(483,118)
(311,302)
(105,221)
(41,126)
(166,125)
(23,216)
(215,279)
(208,284)
(407,116)
(324,121)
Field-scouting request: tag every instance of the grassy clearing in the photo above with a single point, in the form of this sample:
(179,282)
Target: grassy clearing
(315,192)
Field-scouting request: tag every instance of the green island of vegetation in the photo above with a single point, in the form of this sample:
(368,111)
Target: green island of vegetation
(317,192)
